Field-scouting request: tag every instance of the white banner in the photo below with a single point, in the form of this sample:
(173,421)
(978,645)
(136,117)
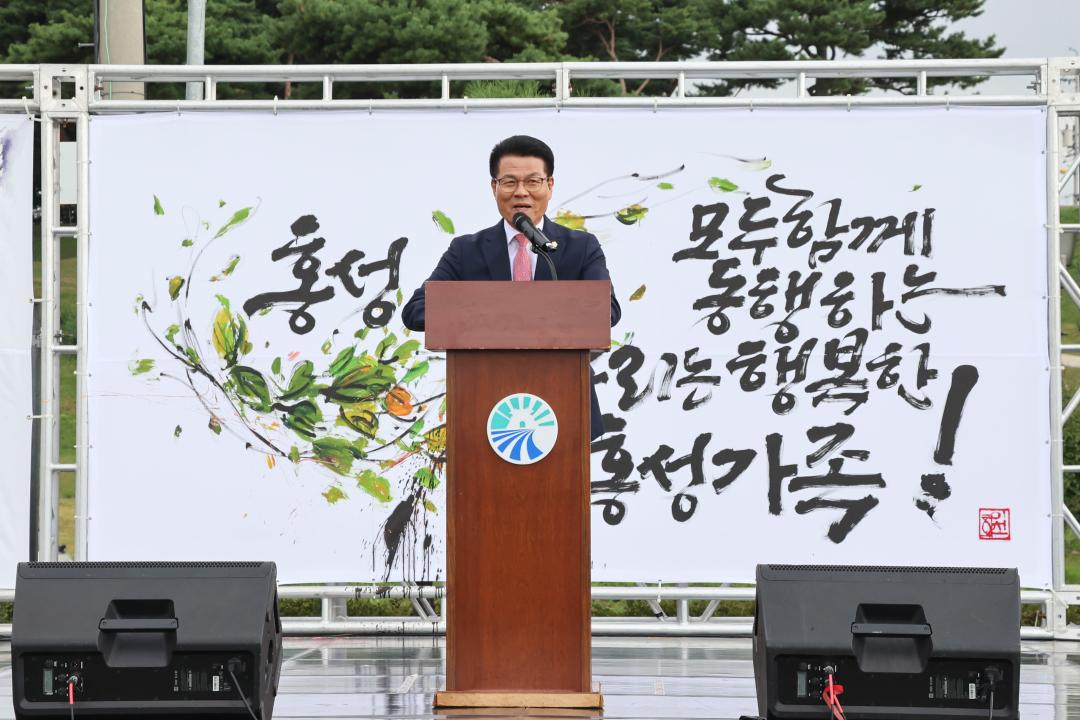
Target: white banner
(833,345)
(16,292)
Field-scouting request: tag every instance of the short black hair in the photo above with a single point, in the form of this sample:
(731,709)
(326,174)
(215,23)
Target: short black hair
(522,146)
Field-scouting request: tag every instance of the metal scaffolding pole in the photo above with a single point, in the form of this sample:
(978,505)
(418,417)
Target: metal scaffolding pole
(80,104)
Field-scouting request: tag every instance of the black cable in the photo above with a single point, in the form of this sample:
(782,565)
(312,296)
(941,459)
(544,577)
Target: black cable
(240,690)
(551,265)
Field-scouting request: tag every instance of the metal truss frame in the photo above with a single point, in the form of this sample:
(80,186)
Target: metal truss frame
(59,95)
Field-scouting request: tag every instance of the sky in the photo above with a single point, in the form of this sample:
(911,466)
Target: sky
(1026,29)
(1029,28)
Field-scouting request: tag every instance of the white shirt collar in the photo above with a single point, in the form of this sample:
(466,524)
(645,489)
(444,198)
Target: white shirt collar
(511,231)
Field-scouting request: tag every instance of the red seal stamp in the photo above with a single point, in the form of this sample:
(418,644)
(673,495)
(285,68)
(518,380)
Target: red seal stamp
(995,524)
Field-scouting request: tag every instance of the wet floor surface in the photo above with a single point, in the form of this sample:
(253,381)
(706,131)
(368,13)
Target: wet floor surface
(639,677)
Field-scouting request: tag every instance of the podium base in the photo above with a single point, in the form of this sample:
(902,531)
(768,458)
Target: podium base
(505,699)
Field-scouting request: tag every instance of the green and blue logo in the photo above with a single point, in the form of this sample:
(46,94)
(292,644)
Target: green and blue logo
(522,429)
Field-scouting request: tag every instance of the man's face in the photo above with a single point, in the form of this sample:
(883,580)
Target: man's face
(514,198)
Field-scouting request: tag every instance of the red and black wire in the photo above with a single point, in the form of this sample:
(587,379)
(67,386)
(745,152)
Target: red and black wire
(831,696)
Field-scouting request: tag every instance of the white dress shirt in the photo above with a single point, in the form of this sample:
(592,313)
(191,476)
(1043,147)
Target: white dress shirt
(512,246)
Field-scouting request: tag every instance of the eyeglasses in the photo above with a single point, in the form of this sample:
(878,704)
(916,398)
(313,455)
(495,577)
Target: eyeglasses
(510,184)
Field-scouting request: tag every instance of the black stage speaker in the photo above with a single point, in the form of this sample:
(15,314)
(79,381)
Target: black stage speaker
(904,642)
(146,639)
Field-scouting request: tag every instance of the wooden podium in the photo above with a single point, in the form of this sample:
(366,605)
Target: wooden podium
(518,618)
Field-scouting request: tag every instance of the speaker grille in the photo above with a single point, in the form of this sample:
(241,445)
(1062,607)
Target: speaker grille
(138,564)
(889,569)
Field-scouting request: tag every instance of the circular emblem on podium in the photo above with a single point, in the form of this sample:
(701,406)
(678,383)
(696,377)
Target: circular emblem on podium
(522,429)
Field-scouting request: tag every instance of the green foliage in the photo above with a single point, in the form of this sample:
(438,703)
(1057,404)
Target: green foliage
(6,613)
(454,31)
(412,31)
(357,607)
(296,607)
(832,29)
(1070,437)
(50,31)
(500,89)
(639,30)
(37,31)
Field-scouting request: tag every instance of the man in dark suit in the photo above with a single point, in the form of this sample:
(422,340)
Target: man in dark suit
(522,170)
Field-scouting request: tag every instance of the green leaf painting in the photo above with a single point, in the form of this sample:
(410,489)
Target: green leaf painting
(141,367)
(364,410)
(345,362)
(570,221)
(250,387)
(385,344)
(303,418)
(230,335)
(442,221)
(228,270)
(177,431)
(915,188)
(158,210)
(638,294)
(665,186)
(405,350)
(722,184)
(238,217)
(301,384)
(416,371)
(334,494)
(427,478)
(335,453)
(631,214)
(374,485)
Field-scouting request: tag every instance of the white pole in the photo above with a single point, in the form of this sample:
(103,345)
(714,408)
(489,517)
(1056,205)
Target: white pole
(122,40)
(196,42)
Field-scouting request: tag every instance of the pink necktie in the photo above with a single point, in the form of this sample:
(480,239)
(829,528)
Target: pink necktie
(522,266)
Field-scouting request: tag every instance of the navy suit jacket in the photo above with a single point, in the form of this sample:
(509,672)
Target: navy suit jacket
(485,256)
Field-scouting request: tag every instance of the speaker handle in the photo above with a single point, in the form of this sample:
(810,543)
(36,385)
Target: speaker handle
(138,625)
(916,630)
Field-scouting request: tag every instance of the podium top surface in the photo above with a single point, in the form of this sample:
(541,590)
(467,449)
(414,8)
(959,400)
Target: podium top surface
(507,315)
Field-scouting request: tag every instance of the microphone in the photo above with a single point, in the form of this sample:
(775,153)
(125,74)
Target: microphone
(539,241)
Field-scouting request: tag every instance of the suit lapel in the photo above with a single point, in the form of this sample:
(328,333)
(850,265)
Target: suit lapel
(554,232)
(496,254)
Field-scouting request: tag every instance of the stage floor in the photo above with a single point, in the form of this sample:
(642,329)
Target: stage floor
(640,678)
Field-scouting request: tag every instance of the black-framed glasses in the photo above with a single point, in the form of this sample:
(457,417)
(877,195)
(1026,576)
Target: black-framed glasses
(531,183)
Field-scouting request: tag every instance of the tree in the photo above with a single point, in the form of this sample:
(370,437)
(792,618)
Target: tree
(454,31)
(237,31)
(46,31)
(414,31)
(832,29)
(638,30)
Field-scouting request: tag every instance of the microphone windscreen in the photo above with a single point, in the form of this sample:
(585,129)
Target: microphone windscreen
(522,222)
